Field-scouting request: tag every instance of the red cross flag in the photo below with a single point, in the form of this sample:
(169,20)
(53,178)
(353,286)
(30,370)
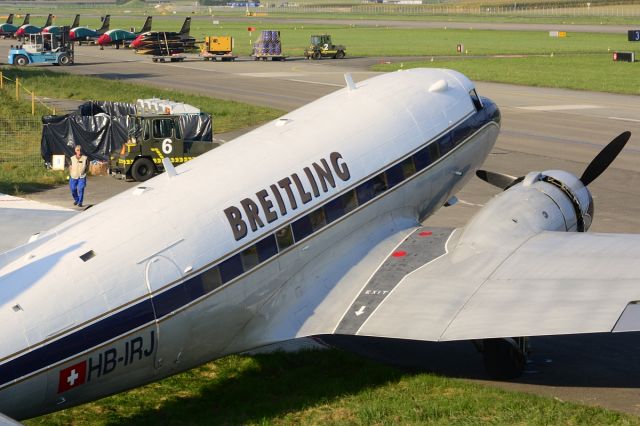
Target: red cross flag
(72,376)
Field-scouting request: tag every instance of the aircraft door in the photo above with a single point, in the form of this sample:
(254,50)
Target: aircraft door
(167,297)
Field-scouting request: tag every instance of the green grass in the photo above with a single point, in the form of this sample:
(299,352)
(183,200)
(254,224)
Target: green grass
(588,72)
(326,387)
(21,167)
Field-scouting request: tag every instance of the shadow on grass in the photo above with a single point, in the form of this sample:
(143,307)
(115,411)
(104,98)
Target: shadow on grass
(271,386)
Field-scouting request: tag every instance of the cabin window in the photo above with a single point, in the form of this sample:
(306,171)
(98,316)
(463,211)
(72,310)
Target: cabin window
(318,219)
(476,99)
(211,279)
(434,152)
(340,206)
(163,128)
(147,131)
(249,258)
(231,268)
(267,248)
(445,143)
(302,227)
(394,175)
(408,168)
(284,237)
(421,159)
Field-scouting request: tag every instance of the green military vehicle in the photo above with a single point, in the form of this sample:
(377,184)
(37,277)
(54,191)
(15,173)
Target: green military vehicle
(322,47)
(151,137)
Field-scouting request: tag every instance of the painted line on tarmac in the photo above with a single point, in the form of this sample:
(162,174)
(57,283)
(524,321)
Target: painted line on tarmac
(316,82)
(559,107)
(633,120)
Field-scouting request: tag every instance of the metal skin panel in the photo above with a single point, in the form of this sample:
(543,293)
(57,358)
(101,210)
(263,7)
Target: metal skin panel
(513,271)
(182,219)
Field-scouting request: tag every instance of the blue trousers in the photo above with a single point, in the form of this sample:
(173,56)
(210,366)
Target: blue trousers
(77,189)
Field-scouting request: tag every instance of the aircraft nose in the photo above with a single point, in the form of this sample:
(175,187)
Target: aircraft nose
(20,32)
(104,39)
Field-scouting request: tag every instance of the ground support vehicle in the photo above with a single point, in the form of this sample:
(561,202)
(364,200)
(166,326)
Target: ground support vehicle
(217,47)
(153,137)
(44,48)
(322,47)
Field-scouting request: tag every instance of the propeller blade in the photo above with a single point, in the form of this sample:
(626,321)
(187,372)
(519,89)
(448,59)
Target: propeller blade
(604,158)
(500,180)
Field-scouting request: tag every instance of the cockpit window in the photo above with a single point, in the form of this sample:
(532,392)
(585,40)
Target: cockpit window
(475,99)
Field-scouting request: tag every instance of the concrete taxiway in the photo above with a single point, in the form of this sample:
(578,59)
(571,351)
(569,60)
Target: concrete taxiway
(542,129)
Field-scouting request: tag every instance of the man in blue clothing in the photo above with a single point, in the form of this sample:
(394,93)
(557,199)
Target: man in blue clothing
(78,176)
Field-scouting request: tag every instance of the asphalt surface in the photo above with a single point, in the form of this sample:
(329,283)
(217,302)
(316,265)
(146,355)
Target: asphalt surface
(542,129)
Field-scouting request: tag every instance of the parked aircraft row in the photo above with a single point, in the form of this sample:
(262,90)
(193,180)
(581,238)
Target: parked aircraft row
(145,41)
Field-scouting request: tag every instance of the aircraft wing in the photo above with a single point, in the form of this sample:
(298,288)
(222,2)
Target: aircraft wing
(553,283)
(20,219)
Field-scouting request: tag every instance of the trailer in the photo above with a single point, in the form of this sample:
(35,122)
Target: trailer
(175,57)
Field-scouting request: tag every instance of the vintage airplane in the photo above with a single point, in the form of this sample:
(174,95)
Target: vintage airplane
(8,29)
(28,29)
(55,29)
(119,37)
(165,42)
(313,234)
(83,34)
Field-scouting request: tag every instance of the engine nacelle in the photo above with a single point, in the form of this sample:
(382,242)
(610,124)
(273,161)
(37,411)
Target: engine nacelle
(553,200)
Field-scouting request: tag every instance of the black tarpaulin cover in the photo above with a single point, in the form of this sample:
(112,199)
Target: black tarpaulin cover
(101,128)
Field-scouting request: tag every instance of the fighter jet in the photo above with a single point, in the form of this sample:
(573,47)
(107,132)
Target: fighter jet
(81,34)
(55,29)
(27,29)
(165,42)
(119,37)
(313,234)
(8,29)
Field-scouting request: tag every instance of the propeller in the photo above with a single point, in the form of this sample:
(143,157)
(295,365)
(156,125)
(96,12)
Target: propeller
(598,165)
(604,158)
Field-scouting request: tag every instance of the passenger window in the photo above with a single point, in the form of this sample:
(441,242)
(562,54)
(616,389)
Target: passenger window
(317,219)
(379,184)
(231,268)
(421,159)
(284,237)
(349,201)
(211,279)
(334,209)
(267,247)
(301,228)
(408,168)
(394,175)
(249,258)
(163,128)
(445,143)
(364,192)
(434,153)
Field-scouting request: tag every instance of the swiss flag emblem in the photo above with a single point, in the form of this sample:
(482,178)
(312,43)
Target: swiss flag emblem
(72,377)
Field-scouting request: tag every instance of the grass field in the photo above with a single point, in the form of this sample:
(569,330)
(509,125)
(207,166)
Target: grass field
(323,387)
(589,72)
(21,167)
